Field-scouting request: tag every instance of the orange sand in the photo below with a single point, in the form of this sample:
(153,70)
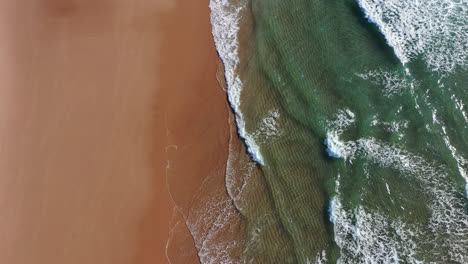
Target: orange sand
(96,97)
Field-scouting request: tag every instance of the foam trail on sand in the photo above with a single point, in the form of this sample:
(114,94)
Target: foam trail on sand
(225,16)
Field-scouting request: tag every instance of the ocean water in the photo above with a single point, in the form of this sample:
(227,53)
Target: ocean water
(354,116)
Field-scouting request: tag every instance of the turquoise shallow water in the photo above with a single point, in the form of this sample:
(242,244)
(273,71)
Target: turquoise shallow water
(355,112)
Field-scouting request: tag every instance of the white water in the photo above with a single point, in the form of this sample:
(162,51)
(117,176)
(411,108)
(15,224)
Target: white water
(225,16)
(392,83)
(268,128)
(413,29)
(366,236)
(462,163)
(421,28)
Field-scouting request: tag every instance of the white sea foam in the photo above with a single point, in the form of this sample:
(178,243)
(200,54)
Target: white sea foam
(225,16)
(213,223)
(339,149)
(436,30)
(460,106)
(392,83)
(321,258)
(364,236)
(369,237)
(395,127)
(268,128)
(462,163)
(214,248)
(335,147)
(344,119)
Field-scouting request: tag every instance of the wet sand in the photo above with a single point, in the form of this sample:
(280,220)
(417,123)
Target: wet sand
(105,106)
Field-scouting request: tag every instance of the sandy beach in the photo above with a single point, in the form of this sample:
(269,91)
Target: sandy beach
(111,117)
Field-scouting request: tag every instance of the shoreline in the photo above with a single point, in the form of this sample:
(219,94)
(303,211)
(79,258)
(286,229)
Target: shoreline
(198,132)
(225,20)
(97,124)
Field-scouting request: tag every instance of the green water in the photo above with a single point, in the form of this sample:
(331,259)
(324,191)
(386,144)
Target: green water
(395,190)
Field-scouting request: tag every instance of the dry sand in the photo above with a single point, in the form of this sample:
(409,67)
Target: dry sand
(97,98)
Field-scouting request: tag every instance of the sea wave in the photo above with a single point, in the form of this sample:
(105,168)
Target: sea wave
(391,83)
(225,17)
(462,163)
(421,29)
(363,234)
(268,128)
(335,147)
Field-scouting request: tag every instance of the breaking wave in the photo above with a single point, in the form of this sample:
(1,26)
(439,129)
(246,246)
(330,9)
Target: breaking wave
(392,83)
(369,236)
(225,16)
(421,29)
